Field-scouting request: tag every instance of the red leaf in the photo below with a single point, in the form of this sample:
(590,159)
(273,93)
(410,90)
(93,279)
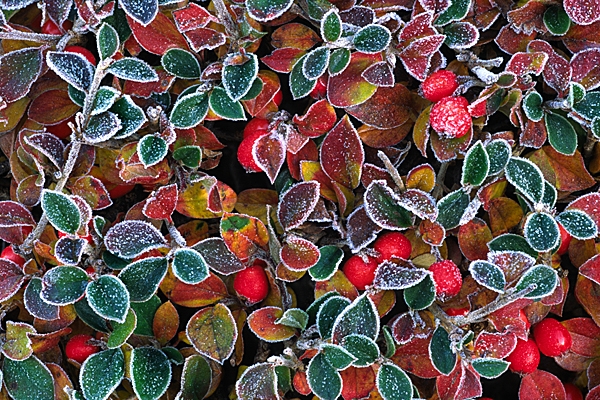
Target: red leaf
(297,204)
(11,279)
(419,26)
(566,173)
(557,72)
(388,108)
(473,238)
(380,74)
(193,16)
(587,293)
(299,254)
(534,135)
(586,68)
(51,107)
(319,119)
(509,319)
(512,42)
(581,37)
(342,154)
(413,357)
(159,36)
(205,38)
(294,35)
(145,89)
(462,383)
(541,385)
(357,383)
(263,104)
(282,60)
(161,203)
(495,345)
(269,153)
(417,56)
(527,63)
(585,335)
(528,18)
(13,214)
(589,204)
(349,88)
(583,12)
(308,152)
(93,191)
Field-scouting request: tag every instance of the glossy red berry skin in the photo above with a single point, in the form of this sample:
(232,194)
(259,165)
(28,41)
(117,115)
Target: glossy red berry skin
(551,337)
(256,125)
(244,152)
(83,51)
(252,284)
(438,85)
(320,89)
(392,244)
(450,117)
(9,254)
(62,129)
(278,98)
(360,273)
(78,349)
(454,312)
(50,28)
(525,358)
(447,278)
(565,240)
(573,392)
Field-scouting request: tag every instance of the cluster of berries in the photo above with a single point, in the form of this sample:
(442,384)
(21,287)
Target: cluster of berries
(449,115)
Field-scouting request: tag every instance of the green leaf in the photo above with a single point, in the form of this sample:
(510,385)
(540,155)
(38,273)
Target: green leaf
(511,242)
(108,41)
(458,10)
(34,303)
(532,106)
(390,343)
(121,332)
(189,110)
(255,90)
(114,262)
(222,105)
(421,295)
(189,266)
(488,275)
(323,379)
(133,69)
(71,67)
(577,93)
(589,107)
(328,312)
(294,317)
(190,156)
(579,225)
(61,211)
(174,355)
(393,383)
(28,379)
(338,61)
(362,348)
(498,153)
(105,98)
(550,194)
(258,381)
(360,318)
(213,332)
(131,115)
(181,63)
(77,96)
(196,378)
(329,261)
(372,39)
(440,351)
(556,20)
(543,277)
(238,78)
(541,231)
(102,127)
(89,316)
(64,285)
(145,312)
(284,378)
(108,297)
(337,356)
(490,368)
(451,208)
(383,207)
(476,165)
(526,177)
(300,85)
(107,364)
(152,150)
(561,134)
(141,278)
(266,10)
(150,372)
(315,63)
(331,26)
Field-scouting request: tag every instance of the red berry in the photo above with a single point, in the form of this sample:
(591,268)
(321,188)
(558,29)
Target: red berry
(565,240)
(252,284)
(447,278)
(392,244)
(524,319)
(278,98)
(83,51)
(62,129)
(320,89)
(256,125)
(9,254)
(450,117)
(78,348)
(573,392)
(50,28)
(552,338)
(525,358)
(360,273)
(438,85)
(453,312)
(244,152)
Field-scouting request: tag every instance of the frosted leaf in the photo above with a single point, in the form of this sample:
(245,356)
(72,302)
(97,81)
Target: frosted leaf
(105,98)
(258,382)
(266,10)
(383,207)
(150,372)
(380,74)
(323,379)
(133,69)
(19,69)
(101,127)
(579,225)
(499,151)
(360,229)
(300,85)
(471,211)
(328,313)
(49,145)
(238,77)
(543,277)
(372,39)
(589,107)
(329,261)
(461,35)
(108,297)
(181,63)
(452,207)
(15,4)
(218,256)
(143,11)
(315,63)
(364,349)
(526,177)
(583,12)
(189,110)
(550,195)
(129,239)
(72,67)
(141,278)
(110,365)
(337,356)
(27,379)
(476,165)
(488,275)
(541,232)
(131,115)
(35,305)
(107,41)
(490,368)
(294,317)
(63,285)
(512,263)
(391,276)
(440,351)
(68,251)
(222,105)
(331,26)
(458,10)
(189,266)
(393,383)
(152,149)
(61,211)
(532,106)
(297,203)
(360,317)
(561,134)
(420,203)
